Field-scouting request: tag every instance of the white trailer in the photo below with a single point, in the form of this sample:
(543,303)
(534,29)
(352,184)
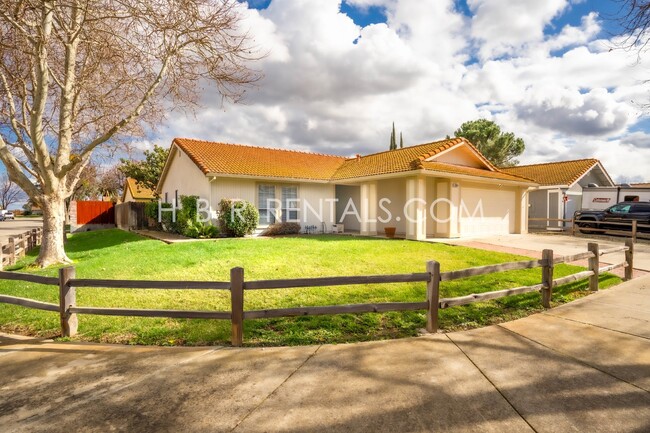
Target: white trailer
(602,197)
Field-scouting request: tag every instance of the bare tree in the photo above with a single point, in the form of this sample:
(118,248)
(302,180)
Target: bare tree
(10,193)
(78,75)
(634,18)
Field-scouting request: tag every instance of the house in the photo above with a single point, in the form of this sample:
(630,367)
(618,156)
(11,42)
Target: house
(440,189)
(560,189)
(133,191)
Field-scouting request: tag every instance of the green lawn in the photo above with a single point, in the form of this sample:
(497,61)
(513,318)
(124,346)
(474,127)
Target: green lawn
(121,255)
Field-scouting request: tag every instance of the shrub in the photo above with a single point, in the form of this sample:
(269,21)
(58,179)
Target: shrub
(283,229)
(237,217)
(151,210)
(201,230)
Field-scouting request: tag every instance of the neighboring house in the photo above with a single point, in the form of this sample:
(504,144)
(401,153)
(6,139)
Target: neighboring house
(133,191)
(441,189)
(560,189)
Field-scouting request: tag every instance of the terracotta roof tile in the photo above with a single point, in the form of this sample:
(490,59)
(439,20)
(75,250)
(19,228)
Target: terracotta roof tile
(392,161)
(554,173)
(266,162)
(234,159)
(471,171)
(139,192)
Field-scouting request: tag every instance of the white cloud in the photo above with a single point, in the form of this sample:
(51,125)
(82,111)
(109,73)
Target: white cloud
(332,86)
(505,26)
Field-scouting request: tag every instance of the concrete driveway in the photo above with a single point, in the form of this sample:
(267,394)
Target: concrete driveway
(19,225)
(584,366)
(532,245)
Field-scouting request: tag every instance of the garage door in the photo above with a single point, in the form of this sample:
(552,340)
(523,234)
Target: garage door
(486,211)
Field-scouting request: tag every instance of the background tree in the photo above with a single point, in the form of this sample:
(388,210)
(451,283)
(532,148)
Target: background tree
(401,140)
(10,193)
(393,143)
(500,148)
(78,75)
(146,172)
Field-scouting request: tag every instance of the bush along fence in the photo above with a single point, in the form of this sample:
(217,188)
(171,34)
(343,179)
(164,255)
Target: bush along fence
(18,245)
(68,283)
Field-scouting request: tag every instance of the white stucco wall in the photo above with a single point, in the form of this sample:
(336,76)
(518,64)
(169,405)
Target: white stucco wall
(344,193)
(316,194)
(185,177)
(395,191)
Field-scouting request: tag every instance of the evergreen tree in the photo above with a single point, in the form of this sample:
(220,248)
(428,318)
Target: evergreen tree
(499,147)
(401,140)
(393,143)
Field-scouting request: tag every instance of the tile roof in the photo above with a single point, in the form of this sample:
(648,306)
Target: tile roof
(471,171)
(640,185)
(395,161)
(554,173)
(266,162)
(138,192)
(237,159)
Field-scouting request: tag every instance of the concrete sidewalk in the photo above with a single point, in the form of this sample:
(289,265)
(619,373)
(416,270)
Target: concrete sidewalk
(584,366)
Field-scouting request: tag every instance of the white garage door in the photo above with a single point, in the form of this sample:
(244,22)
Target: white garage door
(486,211)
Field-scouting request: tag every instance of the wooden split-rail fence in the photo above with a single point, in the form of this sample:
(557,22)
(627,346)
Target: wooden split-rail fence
(18,245)
(238,286)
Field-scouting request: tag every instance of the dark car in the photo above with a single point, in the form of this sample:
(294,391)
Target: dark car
(624,212)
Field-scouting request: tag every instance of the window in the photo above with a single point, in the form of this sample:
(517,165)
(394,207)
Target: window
(641,208)
(631,198)
(266,203)
(289,203)
(620,208)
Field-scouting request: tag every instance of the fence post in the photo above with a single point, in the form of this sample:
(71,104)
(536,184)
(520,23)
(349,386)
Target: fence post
(547,278)
(67,299)
(594,264)
(11,252)
(433,295)
(237,306)
(34,240)
(634,223)
(573,226)
(629,259)
(21,241)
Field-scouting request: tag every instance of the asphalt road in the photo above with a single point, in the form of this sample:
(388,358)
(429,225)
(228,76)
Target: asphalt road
(19,225)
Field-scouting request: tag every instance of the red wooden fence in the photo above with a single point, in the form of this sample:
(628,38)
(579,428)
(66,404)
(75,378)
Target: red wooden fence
(95,212)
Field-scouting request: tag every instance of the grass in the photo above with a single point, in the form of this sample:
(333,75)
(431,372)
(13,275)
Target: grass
(121,255)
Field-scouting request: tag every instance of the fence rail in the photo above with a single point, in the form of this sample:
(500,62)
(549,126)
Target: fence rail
(636,229)
(68,309)
(18,245)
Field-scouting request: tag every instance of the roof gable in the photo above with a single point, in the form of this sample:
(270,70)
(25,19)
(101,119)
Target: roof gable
(561,173)
(392,161)
(463,154)
(137,191)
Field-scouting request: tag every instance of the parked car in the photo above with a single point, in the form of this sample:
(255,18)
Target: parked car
(624,212)
(9,215)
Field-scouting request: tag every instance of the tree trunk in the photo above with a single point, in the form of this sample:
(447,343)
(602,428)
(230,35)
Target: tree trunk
(52,250)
